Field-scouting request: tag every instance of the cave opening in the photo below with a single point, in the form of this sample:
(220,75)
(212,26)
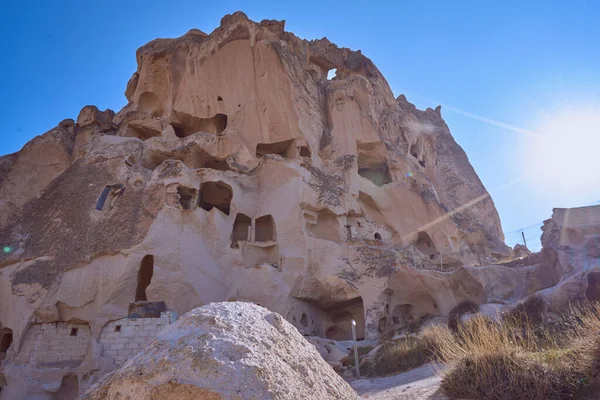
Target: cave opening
(215,195)
(186,124)
(241,228)
(282,148)
(187,197)
(592,293)
(6,337)
(264,229)
(339,317)
(425,245)
(144,277)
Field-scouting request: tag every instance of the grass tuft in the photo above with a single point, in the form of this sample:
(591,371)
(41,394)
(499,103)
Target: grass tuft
(530,311)
(520,357)
(457,312)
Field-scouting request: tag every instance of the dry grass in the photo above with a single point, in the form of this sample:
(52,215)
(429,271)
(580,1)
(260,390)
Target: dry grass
(362,352)
(521,357)
(531,311)
(402,355)
(457,312)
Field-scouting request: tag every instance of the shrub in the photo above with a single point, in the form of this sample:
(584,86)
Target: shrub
(400,355)
(512,359)
(530,311)
(457,312)
(516,376)
(516,359)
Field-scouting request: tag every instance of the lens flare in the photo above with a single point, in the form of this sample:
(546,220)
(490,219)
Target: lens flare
(563,160)
(6,249)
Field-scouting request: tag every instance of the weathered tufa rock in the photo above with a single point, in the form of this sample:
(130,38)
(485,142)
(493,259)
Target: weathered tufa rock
(570,240)
(238,171)
(91,115)
(230,350)
(521,250)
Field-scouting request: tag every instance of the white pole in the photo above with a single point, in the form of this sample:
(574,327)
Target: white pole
(355,348)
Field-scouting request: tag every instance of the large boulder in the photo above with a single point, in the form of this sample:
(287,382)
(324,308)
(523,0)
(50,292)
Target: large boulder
(230,350)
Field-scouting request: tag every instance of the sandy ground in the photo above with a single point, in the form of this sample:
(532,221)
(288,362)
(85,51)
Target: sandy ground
(417,384)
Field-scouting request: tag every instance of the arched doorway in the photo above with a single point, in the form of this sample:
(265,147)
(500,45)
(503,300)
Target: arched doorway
(144,277)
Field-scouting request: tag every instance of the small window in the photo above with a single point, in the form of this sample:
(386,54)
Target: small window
(304,152)
(377,236)
(74,331)
(304,320)
(118,328)
(187,197)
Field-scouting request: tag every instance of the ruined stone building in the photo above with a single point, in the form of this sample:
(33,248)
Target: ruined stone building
(237,171)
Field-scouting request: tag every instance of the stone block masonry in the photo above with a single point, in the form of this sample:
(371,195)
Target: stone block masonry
(55,344)
(125,337)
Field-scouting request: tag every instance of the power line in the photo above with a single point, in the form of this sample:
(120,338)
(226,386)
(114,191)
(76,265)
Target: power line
(538,224)
(527,227)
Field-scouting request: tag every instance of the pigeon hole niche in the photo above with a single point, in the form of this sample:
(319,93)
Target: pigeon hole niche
(372,164)
(187,197)
(284,148)
(242,228)
(185,124)
(323,224)
(149,103)
(215,195)
(304,152)
(264,229)
(425,245)
(262,248)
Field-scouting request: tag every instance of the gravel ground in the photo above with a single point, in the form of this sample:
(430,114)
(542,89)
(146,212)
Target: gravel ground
(417,384)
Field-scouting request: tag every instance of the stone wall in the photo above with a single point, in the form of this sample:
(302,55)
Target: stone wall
(55,344)
(124,337)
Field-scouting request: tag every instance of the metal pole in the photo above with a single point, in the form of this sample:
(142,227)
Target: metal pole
(527,248)
(355,348)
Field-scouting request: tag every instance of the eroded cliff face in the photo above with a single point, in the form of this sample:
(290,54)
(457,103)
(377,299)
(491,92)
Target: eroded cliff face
(238,171)
(571,255)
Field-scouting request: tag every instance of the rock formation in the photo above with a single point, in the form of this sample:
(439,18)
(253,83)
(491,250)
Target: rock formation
(571,256)
(238,171)
(225,351)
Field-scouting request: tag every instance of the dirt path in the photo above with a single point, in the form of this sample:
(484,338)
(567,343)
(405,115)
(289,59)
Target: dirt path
(417,384)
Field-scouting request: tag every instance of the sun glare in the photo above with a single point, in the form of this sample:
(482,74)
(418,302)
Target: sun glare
(565,157)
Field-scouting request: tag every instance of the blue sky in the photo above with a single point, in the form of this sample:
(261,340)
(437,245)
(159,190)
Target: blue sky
(519,82)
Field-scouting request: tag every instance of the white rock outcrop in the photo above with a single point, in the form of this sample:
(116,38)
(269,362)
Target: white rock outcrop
(229,351)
